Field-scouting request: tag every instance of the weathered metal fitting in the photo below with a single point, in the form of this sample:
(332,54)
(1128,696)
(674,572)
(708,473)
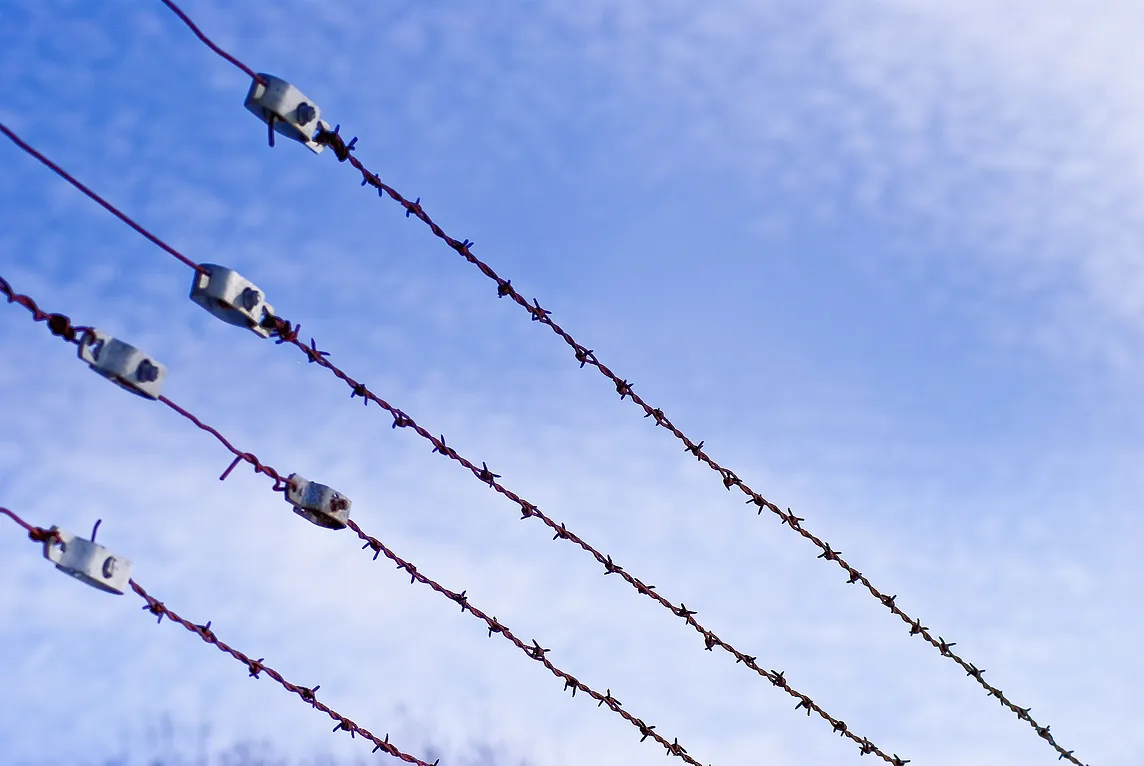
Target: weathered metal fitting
(317,503)
(122,364)
(285,109)
(87,561)
(232,298)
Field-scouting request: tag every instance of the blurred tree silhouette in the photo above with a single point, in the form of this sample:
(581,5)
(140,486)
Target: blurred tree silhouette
(165,743)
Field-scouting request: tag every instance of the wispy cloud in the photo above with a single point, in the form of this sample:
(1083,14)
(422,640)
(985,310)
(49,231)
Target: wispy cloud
(784,224)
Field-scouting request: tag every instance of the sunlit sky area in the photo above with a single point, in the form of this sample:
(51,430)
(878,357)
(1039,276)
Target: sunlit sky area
(883,259)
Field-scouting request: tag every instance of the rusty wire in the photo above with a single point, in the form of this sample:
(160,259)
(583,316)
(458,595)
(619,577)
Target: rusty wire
(535,651)
(256,667)
(287,332)
(586,356)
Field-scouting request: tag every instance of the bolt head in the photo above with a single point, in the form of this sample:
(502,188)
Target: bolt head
(249,298)
(306,114)
(110,567)
(146,372)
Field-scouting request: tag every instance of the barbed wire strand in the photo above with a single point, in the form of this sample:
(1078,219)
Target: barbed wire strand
(624,388)
(256,667)
(282,486)
(287,332)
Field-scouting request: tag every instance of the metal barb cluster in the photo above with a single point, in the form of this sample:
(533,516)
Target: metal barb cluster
(534,651)
(461,598)
(585,356)
(287,332)
(256,667)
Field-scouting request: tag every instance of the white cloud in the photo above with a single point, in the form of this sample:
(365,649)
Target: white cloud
(949,121)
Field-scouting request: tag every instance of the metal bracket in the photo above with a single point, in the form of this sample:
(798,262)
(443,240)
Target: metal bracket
(286,110)
(87,562)
(232,298)
(122,364)
(317,503)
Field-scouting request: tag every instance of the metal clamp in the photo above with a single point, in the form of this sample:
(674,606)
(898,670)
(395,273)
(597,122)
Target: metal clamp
(232,298)
(286,110)
(317,503)
(87,561)
(122,364)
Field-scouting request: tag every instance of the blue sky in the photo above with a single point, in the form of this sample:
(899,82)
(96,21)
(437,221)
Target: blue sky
(883,260)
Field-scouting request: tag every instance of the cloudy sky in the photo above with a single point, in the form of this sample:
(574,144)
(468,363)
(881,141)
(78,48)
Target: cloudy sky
(883,258)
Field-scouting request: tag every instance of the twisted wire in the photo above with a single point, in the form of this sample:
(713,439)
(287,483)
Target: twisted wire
(255,666)
(535,651)
(624,388)
(287,332)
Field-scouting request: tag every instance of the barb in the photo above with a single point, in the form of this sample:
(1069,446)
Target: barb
(288,332)
(343,151)
(281,485)
(535,651)
(256,667)
(207,41)
(586,356)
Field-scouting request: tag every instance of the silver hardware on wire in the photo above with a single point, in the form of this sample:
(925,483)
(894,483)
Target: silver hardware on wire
(286,110)
(87,561)
(317,503)
(122,363)
(232,298)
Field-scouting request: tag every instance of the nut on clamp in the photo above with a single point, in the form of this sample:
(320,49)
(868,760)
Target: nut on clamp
(286,110)
(122,364)
(232,298)
(317,503)
(87,561)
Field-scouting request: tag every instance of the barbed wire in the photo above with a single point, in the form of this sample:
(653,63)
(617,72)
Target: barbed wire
(586,357)
(287,332)
(256,666)
(282,485)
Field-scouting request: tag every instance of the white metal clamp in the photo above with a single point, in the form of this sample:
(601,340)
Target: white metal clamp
(122,363)
(232,298)
(87,561)
(286,110)
(317,503)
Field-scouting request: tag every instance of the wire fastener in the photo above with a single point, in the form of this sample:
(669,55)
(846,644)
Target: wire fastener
(285,110)
(122,364)
(87,561)
(232,298)
(317,503)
